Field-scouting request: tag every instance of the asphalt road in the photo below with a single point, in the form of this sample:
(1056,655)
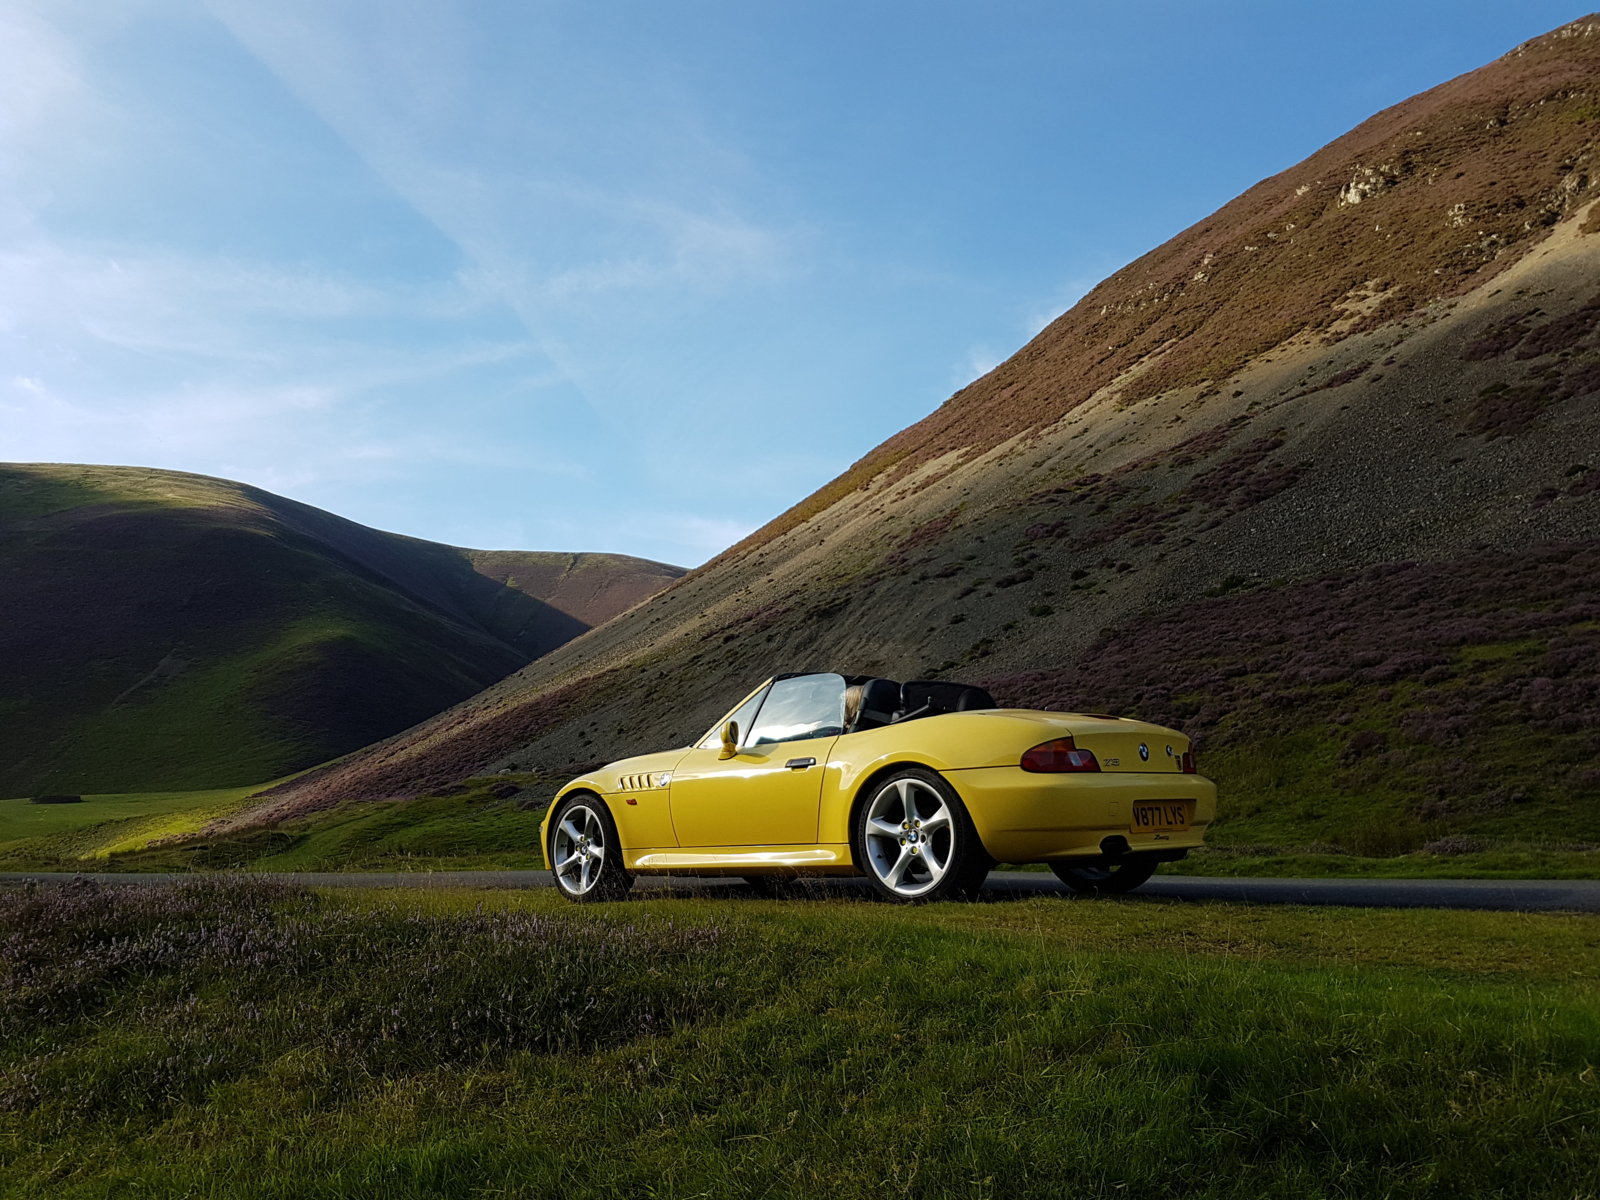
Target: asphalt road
(1513,895)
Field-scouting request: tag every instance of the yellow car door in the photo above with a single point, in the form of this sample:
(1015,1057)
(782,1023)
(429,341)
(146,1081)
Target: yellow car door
(763,796)
(769,791)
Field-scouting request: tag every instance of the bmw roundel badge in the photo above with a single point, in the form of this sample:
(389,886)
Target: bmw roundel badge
(1144,752)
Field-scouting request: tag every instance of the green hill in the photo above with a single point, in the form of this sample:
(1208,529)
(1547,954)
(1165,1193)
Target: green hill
(166,631)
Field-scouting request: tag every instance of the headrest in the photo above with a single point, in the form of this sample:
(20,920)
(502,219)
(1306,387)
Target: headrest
(879,699)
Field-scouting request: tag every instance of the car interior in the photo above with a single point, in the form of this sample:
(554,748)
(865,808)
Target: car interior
(871,703)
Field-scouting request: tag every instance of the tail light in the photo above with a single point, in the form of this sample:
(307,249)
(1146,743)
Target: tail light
(1186,763)
(1059,756)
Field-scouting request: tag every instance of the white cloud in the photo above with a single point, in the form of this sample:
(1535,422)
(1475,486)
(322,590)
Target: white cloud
(710,534)
(39,77)
(284,437)
(1058,302)
(980,360)
(392,85)
(148,299)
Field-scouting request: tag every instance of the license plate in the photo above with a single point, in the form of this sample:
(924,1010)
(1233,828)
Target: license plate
(1161,816)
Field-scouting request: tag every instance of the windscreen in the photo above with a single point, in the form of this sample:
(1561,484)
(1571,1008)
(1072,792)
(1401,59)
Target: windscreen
(806,706)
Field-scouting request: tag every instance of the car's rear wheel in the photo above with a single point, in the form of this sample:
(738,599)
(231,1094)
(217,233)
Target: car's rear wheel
(915,841)
(1108,878)
(585,852)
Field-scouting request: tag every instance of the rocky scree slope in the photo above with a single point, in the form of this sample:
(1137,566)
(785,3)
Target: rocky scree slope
(168,631)
(1247,485)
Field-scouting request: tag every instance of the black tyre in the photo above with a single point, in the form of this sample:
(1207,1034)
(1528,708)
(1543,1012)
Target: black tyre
(585,854)
(1109,878)
(915,841)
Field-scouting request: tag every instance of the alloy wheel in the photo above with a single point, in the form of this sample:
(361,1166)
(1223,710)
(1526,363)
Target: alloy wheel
(578,849)
(910,837)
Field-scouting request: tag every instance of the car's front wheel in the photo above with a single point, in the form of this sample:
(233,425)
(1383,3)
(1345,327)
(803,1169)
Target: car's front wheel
(915,841)
(1107,878)
(585,852)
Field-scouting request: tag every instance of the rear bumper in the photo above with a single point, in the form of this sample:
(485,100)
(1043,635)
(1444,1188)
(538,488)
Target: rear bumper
(1022,816)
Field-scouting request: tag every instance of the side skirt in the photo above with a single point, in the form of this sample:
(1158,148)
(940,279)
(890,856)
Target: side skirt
(828,859)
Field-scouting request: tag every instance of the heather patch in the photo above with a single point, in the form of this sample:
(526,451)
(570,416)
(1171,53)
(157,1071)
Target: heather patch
(125,1002)
(1245,478)
(1504,409)
(1239,481)
(1560,334)
(1337,379)
(1500,338)
(1378,709)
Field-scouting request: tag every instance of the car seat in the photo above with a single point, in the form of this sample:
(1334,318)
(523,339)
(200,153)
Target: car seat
(871,705)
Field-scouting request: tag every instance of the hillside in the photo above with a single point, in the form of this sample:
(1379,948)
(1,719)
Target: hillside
(166,631)
(1315,480)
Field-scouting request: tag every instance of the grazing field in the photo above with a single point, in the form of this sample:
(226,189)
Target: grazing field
(250,1040)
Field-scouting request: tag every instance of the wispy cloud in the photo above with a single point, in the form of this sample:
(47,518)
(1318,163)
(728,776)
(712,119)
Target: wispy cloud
(1032,320)
(280,436)
(1057,302)
(40,77)
(979,361)
(130,349)
(152,301)
(542,228)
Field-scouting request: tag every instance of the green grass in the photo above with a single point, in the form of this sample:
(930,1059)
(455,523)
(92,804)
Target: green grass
(472,828)
(1292,790)
(1513,860)
(204,721)
(433,833)
(74,835)
(258,1043)
(37,494)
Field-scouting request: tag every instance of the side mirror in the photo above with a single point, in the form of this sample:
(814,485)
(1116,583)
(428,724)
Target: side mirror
(730,740)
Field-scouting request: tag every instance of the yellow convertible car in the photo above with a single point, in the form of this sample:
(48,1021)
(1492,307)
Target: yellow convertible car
(922,787)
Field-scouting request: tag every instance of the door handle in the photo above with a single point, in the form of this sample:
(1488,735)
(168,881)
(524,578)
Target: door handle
(800,764)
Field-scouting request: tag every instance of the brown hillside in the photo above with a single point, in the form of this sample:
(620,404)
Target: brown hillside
(1423,202)
(1386,354)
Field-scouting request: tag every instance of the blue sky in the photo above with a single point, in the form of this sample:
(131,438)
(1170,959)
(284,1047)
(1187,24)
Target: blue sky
(628,276)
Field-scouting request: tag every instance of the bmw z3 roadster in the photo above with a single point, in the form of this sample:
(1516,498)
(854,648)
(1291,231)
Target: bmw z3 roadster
(922,787)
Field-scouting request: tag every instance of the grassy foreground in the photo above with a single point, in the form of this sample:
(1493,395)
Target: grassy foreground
(249,1040)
